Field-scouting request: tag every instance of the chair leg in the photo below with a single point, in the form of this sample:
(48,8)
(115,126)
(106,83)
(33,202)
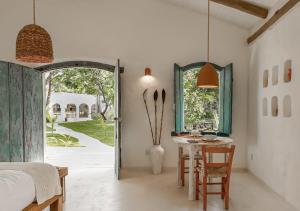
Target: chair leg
(204,185)
(223,188)
(182,171)
(227,195)
(197,185)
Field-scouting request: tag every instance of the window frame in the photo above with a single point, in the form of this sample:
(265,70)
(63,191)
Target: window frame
(225,96)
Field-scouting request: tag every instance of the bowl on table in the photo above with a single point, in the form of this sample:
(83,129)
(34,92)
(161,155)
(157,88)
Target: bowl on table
(209,137)
(195,133)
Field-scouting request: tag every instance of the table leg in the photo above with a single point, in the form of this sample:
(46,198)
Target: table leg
(191,173)
(180,153)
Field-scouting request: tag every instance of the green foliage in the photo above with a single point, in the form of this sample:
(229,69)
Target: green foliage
(48,116)
(96,116)
(62,140)
(85,81)
(97,129)
(200,105)
(50,119)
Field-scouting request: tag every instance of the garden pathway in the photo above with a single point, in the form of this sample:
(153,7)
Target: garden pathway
(94,154)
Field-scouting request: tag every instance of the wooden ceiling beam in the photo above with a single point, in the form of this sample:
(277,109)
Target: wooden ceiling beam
(245,6)
(277,15)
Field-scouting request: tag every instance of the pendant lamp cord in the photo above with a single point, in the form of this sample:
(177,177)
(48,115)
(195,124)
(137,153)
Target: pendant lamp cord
(208,29)
(33,1)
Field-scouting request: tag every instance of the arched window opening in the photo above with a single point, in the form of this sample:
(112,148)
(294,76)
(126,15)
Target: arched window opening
(83,111)
(56,109)
(71,111)
(208,111)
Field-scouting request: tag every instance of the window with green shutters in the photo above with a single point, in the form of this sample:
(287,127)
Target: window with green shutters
(224,97)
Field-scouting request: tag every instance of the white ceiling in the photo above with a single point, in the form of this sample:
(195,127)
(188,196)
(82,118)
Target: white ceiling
(222,12)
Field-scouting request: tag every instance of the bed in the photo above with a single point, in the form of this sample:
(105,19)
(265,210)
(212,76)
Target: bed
(16,190)
(29,187)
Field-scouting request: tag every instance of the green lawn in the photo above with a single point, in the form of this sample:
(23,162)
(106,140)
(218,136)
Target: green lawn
(62,140)
(104,132)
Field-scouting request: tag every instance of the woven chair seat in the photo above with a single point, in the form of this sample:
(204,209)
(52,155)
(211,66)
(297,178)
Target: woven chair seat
(212,172)
(217,172)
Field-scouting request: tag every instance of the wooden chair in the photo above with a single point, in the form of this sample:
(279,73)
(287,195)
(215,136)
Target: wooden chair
(184,169)
(207,170)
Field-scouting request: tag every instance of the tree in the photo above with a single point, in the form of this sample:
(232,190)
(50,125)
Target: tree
(49,77)
(199,104)
(86,81)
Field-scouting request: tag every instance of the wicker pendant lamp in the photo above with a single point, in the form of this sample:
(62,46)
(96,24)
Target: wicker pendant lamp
(34,44)
(208,76)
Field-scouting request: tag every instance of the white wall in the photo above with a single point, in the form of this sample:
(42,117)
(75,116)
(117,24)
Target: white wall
(141,33)
(64,98)
(274,141)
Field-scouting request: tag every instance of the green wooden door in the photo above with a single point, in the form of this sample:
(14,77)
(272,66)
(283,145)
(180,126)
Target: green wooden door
(21,113)
(33,115)
(4,113)
(16,112)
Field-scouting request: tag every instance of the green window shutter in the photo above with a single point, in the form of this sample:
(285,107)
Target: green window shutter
(226,81)
(221,101)
(178,91)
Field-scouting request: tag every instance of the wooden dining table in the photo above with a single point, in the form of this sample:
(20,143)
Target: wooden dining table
(183,142)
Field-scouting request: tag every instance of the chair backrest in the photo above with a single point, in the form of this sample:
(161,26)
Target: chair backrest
(229,151)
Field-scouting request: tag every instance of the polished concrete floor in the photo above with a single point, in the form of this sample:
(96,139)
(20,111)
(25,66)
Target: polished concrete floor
(139,190)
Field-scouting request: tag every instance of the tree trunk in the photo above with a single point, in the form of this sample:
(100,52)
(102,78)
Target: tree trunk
(102,112)
(103,116)
(98,109)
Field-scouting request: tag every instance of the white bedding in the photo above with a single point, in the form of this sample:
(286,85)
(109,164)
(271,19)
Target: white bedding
(17,190)
(45,177)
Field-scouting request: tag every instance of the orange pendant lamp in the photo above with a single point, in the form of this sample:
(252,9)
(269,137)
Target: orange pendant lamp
(34,44)
(208,76)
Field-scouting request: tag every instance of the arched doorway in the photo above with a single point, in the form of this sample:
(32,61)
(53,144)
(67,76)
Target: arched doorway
(70,111)
(56,109)
(75,110)
(83,111)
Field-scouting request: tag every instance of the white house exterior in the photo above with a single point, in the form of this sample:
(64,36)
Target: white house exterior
(72,107)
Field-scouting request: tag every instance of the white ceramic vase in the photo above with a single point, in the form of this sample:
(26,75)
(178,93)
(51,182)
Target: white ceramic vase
(157,157)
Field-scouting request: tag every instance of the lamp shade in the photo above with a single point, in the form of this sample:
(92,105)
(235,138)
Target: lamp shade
(148,71)
(208,77)
(34,45)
